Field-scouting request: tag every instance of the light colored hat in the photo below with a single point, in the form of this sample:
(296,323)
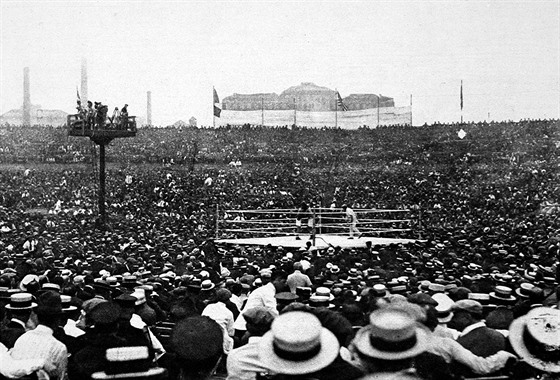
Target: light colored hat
(323,291)
(128,363)
(21,301)
(297,344)
(534,337)
(140,295)
(66,300)
(51,286)
(502,293)
(444,307)
(391,335)
(207,285)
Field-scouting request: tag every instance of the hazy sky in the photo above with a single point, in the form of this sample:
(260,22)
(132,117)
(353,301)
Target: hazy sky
(506,52)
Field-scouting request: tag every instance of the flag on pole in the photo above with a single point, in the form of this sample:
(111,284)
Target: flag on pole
(217,109)
(341,105)
(461,95)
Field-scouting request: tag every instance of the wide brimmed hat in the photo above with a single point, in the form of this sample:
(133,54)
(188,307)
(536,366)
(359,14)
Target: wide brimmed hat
(502,293)
(391,335)
(66,303)
(323,291)
(297,344)
(130,282)
(21,301)
(525,290)
(129,363)
(534,337)
(207,285)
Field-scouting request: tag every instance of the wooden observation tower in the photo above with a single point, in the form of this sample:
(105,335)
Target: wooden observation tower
(101,130)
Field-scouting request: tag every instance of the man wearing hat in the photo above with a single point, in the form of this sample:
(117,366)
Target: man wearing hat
(101,336)
(475,336)
(243,362)
(219,312)
(198,347)
(19,310)
(264,296)
(40,342)
(390,343)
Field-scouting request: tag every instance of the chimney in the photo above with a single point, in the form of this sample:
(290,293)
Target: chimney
(84,92)
(149,110)
(26,98)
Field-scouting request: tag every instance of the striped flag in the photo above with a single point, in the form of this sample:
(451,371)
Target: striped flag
(340,103)
(217,110)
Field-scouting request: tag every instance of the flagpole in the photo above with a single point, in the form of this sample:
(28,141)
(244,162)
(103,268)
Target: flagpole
(411,110)
(213,105)
(378,96)
(295,113)
(461,101)
(262,111)
(335,108)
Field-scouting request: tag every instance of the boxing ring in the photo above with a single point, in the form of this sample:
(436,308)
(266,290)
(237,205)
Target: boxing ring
(322,227)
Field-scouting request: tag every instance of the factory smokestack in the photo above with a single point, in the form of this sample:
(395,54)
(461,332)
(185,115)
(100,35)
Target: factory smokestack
(149,109)
(26,97)
(84,92)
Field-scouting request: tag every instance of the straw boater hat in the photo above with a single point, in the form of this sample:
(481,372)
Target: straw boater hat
(297,344)
(21,301)
(323,292)
(66,303)
(391,335)
(207,285)
(502,293)
(129,363)
(535,338)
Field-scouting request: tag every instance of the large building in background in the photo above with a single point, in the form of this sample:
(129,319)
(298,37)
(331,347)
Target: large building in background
(313,106)
(305,97)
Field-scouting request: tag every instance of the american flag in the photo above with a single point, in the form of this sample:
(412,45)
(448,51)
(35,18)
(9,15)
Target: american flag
(340,103)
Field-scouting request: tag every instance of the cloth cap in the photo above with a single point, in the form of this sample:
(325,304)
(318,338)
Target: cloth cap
(470,306)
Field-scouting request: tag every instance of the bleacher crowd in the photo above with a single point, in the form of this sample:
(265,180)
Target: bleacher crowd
(154,297)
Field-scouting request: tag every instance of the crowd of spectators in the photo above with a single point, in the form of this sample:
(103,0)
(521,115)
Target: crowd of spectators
(152,292)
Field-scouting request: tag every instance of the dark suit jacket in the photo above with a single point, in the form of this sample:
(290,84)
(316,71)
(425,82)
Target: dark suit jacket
(483,341)
(10,333)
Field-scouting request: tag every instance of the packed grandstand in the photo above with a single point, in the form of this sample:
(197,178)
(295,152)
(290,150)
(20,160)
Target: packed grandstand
(481,203)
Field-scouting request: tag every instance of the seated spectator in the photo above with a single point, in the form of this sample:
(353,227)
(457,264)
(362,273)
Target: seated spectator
(296,345)
(198,345)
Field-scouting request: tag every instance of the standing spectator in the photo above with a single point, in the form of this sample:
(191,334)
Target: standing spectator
(219,312)
(264,295)
(298,279)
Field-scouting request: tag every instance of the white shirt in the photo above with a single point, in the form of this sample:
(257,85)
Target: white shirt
(243,363)
(223,317)
(40,344)
(18,368)
(263,297)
